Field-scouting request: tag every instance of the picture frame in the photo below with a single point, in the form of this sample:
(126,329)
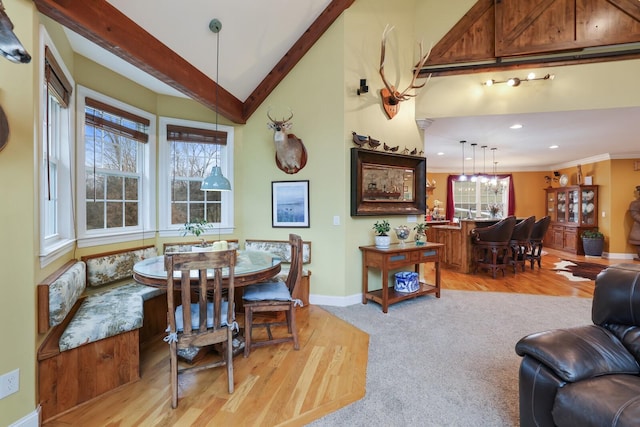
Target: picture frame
(290,204)
(387,183)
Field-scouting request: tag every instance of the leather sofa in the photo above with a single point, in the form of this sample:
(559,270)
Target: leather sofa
(588,375)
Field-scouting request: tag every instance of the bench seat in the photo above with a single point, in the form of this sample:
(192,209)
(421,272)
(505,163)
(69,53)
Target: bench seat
(94,317)
(108,313)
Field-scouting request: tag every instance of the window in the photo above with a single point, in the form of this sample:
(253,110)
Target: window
(56,156)
(482,198)
(188,151)
(114,171)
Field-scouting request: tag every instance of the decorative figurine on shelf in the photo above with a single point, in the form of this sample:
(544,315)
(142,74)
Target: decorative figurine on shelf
(634,209)
(579,174)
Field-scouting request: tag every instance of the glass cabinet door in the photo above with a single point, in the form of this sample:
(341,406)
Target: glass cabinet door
(551,205)
(561,206)
(588,208)
(573,207)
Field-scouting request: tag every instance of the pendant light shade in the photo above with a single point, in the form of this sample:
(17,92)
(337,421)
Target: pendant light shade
(216,181)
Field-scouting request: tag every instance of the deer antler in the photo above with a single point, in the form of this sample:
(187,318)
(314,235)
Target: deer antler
(404,95)
(283,120)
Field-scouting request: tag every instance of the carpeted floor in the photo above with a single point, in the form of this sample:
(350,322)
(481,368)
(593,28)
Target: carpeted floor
(449,361)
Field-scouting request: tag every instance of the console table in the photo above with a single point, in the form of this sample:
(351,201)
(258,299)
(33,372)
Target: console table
(396,257)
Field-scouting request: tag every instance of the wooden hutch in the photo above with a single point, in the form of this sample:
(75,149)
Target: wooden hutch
(572,209)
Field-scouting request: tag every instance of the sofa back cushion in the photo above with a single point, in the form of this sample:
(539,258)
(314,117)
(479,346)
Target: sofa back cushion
(280,248)
(616,298)
(106,268)
(65,291)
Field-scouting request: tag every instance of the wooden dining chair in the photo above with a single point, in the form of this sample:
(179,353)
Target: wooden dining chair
(274,297)
(208,318)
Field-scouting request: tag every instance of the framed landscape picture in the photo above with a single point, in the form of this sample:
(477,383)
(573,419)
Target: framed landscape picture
(290,204)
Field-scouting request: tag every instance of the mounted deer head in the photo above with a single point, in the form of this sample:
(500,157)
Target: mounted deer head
(291,155)
(10,46)
(391,98)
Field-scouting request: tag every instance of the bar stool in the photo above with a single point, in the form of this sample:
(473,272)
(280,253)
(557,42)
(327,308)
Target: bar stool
(536,239)
(520,243)
(491,249)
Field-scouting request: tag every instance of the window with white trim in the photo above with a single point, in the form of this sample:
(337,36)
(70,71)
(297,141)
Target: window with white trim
(188,151)
(56,158)
(115,166)
(484,197)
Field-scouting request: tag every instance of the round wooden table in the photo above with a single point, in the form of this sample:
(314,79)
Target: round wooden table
(251,267)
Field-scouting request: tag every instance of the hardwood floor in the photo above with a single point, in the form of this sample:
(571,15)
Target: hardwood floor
(277,385)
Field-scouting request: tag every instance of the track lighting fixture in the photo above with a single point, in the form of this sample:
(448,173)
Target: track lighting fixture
(515,81)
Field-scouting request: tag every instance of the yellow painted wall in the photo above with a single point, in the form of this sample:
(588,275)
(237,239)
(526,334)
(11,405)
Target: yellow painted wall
(18,249)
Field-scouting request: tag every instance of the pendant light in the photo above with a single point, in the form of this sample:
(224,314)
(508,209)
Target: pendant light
(216,181)
(474,177)
(462,177)
(484,178)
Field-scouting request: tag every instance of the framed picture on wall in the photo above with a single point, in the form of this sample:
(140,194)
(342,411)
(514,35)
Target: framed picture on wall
(290,204)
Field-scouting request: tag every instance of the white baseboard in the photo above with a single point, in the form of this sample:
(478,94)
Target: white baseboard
(30,420)
(335,301)
(610,255)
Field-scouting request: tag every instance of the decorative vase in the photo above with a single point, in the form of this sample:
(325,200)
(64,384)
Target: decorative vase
(421,239)
(403,233)
(383,242)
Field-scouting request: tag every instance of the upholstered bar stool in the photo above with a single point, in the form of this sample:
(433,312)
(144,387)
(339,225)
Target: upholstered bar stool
(537,236)
(519,242)
(491,249)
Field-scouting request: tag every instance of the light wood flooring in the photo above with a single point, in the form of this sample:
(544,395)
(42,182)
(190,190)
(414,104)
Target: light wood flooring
(277,386)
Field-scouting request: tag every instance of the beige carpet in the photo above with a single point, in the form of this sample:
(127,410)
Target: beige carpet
(449,361)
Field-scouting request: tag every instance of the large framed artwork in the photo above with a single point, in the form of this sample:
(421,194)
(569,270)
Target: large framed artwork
(290,204)
(387,184)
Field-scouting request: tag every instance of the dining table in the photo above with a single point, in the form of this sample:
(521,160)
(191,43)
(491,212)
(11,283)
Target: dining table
(251,267)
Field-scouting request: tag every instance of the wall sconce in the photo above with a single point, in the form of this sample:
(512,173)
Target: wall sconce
(515,81)
(363,87)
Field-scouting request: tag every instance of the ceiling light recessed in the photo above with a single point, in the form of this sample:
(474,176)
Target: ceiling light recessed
(440,153)
(553,147)
(516,126)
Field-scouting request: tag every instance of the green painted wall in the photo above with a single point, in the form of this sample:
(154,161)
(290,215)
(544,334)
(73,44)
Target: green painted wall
(321,91)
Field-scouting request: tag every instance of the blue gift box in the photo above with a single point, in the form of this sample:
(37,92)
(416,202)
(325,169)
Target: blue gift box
(406,281)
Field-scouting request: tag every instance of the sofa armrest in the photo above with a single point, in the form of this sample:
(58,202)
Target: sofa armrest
(578,353)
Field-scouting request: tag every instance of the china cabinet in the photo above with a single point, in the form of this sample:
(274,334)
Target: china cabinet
(572,209)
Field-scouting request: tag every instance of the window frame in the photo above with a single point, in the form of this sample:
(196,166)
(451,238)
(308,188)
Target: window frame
(227,225)
(508,196)
(147,227)
(54,246)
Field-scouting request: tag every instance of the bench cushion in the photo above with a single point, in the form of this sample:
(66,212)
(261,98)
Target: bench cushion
(106,269)
(276,291)
(108,313)
(281,249)
(65,291)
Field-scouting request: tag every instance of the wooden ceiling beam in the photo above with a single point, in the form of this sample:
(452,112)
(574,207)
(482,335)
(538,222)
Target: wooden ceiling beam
(106,26)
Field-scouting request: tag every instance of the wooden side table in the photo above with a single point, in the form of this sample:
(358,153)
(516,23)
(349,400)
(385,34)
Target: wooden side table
(396,257)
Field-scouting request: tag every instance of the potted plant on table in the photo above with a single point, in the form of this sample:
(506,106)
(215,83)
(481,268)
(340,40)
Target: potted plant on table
(421,233)
(196,228)
(592,242)
(382,228)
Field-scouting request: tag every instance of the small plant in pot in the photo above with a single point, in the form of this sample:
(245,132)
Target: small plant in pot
(421,233)
(592,242)
(382,228)
(196,228)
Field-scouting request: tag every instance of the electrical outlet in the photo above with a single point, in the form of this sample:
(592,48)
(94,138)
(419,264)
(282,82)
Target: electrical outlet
(9,383)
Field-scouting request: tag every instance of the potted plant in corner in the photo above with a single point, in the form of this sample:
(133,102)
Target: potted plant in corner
(382,228)
(421,233)
(592,242)
(196,228)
